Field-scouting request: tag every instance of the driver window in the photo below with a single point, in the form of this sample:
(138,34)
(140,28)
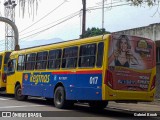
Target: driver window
(11,65)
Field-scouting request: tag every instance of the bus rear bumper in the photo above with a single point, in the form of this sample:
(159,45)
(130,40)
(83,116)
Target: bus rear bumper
(117,95)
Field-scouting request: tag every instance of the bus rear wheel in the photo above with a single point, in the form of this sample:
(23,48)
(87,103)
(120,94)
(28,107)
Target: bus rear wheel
(18,93)
(98,104)
(60,99)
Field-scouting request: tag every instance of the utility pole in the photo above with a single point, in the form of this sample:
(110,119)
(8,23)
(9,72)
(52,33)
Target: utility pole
(102,15)
(9,33)
(84,18)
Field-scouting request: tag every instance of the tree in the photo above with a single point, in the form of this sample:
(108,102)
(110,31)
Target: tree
(32,6)
(93,32)
(140,2)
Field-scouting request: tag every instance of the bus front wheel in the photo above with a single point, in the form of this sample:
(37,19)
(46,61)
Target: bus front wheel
(18,93)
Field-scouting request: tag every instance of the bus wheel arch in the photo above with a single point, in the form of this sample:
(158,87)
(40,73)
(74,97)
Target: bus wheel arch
(17,83)
(57,85)
(18,92)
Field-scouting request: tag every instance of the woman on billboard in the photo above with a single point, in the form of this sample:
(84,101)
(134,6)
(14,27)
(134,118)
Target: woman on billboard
(123,56)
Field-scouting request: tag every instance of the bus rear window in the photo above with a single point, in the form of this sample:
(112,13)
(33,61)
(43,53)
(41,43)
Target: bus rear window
(6,57)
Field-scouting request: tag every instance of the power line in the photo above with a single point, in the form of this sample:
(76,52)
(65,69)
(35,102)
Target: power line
(49,27)
(90,8)
(108,7)
(111,3)
(44,16)
(69,19)
(51,23)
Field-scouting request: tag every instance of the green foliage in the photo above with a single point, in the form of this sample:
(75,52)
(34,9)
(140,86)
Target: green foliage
(140,2)
(90,32)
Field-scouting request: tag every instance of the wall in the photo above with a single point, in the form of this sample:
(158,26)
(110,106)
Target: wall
(152,31)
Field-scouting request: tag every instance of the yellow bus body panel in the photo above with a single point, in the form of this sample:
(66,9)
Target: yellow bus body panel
(107,92)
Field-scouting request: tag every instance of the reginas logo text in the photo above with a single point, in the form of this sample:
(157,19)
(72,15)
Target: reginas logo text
(40,78)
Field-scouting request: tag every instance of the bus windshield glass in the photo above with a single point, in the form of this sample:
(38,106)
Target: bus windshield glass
(7,57)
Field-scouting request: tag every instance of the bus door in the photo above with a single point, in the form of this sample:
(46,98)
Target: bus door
(11,76)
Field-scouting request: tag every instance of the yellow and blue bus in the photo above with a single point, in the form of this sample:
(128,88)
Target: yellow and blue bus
(4,56)
(94,70)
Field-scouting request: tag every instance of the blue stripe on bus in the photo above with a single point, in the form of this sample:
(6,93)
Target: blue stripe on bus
(77,86)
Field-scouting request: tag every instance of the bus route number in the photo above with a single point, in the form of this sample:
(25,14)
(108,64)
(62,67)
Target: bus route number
(93,80)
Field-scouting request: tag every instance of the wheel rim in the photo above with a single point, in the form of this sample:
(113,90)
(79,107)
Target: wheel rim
(19,93)
(59,97)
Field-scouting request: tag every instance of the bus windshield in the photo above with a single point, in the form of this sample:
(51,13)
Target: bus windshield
(7,57)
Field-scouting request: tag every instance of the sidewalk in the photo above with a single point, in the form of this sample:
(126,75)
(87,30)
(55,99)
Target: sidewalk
(140,106)
(155,102)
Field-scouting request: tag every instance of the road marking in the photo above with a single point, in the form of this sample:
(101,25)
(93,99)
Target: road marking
(22,106)
(6,99)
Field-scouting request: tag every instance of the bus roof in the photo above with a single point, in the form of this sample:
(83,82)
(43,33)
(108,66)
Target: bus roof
(2,52)
(60,44)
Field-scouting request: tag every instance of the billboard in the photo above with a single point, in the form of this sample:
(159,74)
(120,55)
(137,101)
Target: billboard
(130,61)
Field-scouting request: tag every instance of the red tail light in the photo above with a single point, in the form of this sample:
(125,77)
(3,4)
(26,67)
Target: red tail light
(153,83)
(108,80)
(4,77)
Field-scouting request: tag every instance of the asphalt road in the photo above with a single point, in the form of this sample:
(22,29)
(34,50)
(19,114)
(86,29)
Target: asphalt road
(41,108)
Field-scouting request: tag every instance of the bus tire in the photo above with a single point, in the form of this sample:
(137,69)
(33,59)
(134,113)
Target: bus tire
(98,104)
(59,98)
(18,93)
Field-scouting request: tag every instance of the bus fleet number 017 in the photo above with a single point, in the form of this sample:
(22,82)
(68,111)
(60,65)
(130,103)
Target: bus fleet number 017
(93,80)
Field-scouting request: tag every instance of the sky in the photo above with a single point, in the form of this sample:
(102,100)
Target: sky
(116,18)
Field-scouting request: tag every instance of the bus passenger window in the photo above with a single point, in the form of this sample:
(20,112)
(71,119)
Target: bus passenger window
(87,55)
(70,57)
(21,62)
(100,54)
(30,61)
(54,59)
(41,62)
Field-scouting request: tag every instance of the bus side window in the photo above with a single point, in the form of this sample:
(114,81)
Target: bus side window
(41,61)
(87,55)
(100,54)
(70,57)
(30,61)
(21,62)
(54,59)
